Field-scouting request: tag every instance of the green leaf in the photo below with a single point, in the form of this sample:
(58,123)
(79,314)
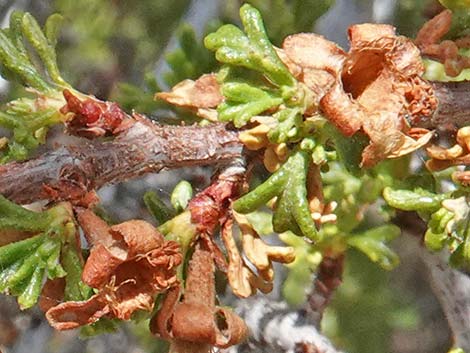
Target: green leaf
(52,253)
(244,101)
(27,55)
(289,126)
(417,200)
(372,243)
(251,49)
(45,49)
(460,258)
(181,195)
(24,265)
(75,289)
(289,185)
(52,28)
(18,217)
(157,208)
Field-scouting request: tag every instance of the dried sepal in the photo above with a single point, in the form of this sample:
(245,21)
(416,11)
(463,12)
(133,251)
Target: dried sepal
(260,254)
(201,95)
(129,264)
(243,281)
(458,154)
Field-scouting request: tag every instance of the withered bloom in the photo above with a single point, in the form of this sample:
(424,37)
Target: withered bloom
(376,87)
(129,264)
(196,323)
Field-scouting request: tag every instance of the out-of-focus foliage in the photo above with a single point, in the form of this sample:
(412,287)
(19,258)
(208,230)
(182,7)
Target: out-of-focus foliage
(283,17)
(409,16)
(114,40)
(366,309)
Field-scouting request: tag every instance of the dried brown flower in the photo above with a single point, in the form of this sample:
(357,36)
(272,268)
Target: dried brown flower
(129,264)
(375,87)
(196,324)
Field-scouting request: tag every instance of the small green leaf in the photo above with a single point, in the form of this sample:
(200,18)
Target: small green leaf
(417,200)
(435,241)
(157,208)
(460,258)
(52,28)
(288,127)
(24,265)
(17,217)
(75,289)
(252,50)
(244,101)
(181,195)
(372,243)
(289,185)
(32,31)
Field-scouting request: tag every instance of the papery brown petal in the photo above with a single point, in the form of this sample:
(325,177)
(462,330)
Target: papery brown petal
(233,330)
(409,145)
(70,315)
(100,266)
(139,236)
(345,114)
(318,81)
(257,251)
(463,137)
(293,68)
(242,280)
(52,293)
(433,30)
(309,50)
(202,93)
(160,324)
(368,32)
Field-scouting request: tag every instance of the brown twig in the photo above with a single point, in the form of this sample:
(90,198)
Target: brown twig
(329,277)
(143,148)
(453,108)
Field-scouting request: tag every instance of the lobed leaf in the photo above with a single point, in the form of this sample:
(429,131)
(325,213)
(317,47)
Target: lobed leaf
(288,184)
(373,243)
(251,49)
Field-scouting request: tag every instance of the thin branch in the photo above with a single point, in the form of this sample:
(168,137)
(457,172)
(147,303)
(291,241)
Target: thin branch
(452,288)
(143,148)
(277,329)
(453,106)
(328,278)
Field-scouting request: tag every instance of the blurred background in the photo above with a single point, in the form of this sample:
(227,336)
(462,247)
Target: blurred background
(126,51)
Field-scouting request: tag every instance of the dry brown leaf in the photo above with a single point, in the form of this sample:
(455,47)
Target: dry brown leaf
(203,93)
